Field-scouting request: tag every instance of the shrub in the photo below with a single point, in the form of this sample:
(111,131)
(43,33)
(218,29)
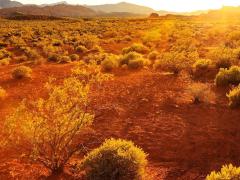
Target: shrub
(56,42)
(81,49)
(173,62)
(133,60)
(3,93)
(64,59)
(22,72)
(110,62)
(228,76)
(4,62)
(223,57)
(234,97)
(139,48)
(202,64)
(74,57)
(201,93)
(129,57)
(228,172)
(53,57)
(115,159)
(136,63)
(153,55)
(89,73)
(51,126)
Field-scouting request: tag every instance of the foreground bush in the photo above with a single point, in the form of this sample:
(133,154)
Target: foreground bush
(22,72)
(228,76)
(50,127)
(234,97)
(3,93)
(227,173)
(115,159)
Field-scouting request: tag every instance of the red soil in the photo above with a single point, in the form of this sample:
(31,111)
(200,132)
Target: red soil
(154,110)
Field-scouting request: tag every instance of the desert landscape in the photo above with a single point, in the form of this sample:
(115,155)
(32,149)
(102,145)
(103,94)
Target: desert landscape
(103,93)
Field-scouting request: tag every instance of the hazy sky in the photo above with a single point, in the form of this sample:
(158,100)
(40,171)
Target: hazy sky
(170,5)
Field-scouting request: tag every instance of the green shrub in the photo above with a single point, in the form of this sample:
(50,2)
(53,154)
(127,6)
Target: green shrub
(139,48)
(22,72)
(115,159)
(74,57)
(110,62)
(227,173)
(234,97)
(3,93)
(228,76)
(81,49)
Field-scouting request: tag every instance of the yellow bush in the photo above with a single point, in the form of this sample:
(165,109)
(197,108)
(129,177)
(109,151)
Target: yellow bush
(228,76)
(234,97)
(115,159)
(228,172)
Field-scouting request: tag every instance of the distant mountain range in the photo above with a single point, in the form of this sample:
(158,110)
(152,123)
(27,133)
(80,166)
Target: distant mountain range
(8,4)
(122,9)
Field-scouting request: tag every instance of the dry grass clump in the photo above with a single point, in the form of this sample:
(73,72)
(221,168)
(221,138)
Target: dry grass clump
(22,72)
(201,93)
(234,97)
(115,159)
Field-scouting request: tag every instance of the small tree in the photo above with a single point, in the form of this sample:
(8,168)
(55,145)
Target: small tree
(50,127)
